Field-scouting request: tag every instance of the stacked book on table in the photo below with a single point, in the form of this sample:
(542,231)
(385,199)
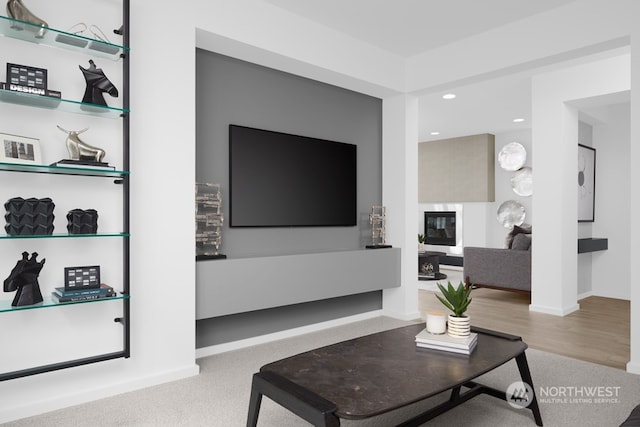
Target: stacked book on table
(445,342)
(83,294)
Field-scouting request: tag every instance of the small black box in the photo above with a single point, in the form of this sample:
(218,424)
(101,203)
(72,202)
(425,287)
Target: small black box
(23,75)
(81,277)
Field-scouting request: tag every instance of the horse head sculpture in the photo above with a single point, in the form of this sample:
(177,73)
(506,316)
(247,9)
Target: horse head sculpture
(80,150)
(97,84)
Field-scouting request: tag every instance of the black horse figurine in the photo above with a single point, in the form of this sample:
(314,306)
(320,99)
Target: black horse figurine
(97,84)
(24,279)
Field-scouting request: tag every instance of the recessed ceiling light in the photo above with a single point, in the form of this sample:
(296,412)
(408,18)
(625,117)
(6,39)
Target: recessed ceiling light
(518,120)
(435,133)
(449,96)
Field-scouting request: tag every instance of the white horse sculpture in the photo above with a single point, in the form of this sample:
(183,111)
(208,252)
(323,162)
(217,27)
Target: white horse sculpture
(80,150)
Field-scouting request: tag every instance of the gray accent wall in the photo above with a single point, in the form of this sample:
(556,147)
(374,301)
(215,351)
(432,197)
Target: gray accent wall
(231,91)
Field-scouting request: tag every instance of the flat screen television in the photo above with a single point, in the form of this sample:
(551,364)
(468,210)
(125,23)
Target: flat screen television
(282,180)
(440,228)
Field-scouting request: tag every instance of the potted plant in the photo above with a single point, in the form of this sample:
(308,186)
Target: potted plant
(457,300)
(421,243)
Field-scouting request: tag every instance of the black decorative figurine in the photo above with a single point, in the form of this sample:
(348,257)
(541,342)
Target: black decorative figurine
(24,279)
(97,84)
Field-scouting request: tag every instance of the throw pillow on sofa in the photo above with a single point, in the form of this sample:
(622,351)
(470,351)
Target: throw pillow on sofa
(524,229)
(521,242)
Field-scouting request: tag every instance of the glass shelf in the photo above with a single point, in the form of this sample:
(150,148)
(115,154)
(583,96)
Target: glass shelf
(26,31)
(61,104)
(62,236)
(62,170)
(48,301)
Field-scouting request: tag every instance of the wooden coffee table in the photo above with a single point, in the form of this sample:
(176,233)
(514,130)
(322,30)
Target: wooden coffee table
(375,374)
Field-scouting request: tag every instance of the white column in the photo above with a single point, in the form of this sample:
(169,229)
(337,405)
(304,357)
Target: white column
(554,275)
(554,139)
(400,196)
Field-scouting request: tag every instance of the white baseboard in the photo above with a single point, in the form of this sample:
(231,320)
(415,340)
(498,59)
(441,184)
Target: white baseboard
(553,310)
(402,316)
(633,368)
(585,295)
(75,398)
(262,339)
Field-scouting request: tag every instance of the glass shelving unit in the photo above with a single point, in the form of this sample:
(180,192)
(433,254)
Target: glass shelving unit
(60,104)
(61,236)
(48,301)
(48,36)
(62,170)
(91,48)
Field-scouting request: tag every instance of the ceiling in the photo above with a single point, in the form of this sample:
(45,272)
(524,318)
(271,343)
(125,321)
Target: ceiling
(409,27)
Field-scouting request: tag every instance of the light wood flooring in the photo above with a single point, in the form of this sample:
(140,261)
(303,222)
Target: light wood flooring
(598,332)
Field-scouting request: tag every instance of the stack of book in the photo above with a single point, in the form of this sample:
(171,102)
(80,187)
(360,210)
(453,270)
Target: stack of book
(445,342)
(62,295)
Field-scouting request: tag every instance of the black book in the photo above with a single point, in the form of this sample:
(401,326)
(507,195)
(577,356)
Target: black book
(85,164)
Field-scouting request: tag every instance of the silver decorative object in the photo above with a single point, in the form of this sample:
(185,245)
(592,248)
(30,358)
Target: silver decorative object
(522,182)
(80,150)
(208,220)
(511,213)
(17,10)
(512,156)
(378,219)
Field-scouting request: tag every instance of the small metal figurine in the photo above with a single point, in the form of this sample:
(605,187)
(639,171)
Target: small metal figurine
(24,279)
(80,150)
(17,10)
(97,84)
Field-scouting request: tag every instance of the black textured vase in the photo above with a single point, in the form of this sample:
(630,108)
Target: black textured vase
(27,217)
(82,221)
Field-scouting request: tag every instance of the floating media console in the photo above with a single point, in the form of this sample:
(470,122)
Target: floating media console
(240,285)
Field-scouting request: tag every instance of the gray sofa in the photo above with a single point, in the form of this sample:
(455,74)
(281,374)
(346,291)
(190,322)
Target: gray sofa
(498,268)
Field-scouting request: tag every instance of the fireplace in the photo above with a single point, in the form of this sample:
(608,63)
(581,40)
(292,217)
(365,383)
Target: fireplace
(440,228)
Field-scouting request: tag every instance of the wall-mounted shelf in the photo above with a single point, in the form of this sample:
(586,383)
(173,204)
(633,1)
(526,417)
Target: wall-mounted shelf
(5,306)
(63,236)
(592,244)
(62,170)
(28,32)
(61,104)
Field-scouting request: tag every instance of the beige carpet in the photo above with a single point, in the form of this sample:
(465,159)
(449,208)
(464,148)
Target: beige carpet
(219,395)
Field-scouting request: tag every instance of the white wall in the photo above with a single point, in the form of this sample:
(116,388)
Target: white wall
(612,140)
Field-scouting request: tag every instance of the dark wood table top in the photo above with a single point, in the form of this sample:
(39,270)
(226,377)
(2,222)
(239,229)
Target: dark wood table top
(377,373)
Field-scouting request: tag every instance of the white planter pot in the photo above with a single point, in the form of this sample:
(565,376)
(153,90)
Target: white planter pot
(421,247)
(459,326)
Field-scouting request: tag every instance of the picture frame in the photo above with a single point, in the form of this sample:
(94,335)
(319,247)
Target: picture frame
(19,149)
(586,183)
